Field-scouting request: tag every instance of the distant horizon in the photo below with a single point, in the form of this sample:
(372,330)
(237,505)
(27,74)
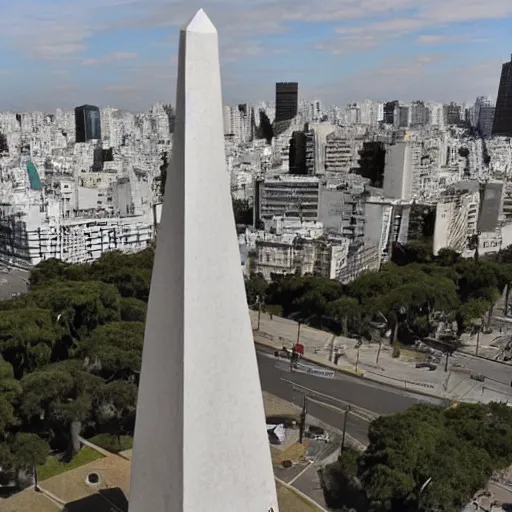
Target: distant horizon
(267,102)
(55,52)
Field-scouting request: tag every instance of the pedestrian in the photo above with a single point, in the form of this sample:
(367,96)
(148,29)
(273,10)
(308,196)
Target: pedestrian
(270,314)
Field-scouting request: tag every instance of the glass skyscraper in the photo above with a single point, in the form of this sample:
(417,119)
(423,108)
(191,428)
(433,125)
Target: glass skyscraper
(503,113)
(87,123)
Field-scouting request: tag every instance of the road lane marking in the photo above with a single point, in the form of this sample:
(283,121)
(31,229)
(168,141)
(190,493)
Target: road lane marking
(353,412)
(296,477)
(370,414)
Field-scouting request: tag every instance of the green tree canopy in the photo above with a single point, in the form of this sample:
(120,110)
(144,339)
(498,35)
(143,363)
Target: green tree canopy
(256,286)
(10,390)
(133,310)
(130,273)
(114,350)
(458,448)
(27,338)
(79,306)
(115,405)
(346,311)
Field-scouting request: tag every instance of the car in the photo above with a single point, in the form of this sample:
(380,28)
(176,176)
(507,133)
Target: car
(430,366)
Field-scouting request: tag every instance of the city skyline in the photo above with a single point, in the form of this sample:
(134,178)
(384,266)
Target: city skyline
(126,55)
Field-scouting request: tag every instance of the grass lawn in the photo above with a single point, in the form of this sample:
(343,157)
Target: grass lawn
(112,444)
(55,467)
(409,354)
(292,502)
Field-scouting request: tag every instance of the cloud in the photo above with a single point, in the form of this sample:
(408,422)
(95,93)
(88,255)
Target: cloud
(441,39)
(432,14)
(416,79)
(252,35)
(109,58)
(47,36)
(348,44)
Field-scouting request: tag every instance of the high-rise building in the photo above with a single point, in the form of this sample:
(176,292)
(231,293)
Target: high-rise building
(389,112)
(503,114)
(419,114)
(402,120)
(452,113)
(87,123)
(287,101)
(297,158)
(486,115)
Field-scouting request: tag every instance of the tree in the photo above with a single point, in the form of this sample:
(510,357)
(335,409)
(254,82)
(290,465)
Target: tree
(10,390)
(27,450)
(447,257)
(345,310)
(290,290)
(416,251)
(56,400)
(130,273)
(27,338)
(114,406)
(114,351)
(47,270)
(7,416)
(342,487)
(243,211)
(457,448)
(78,306)
(255,286)
(477,280)
(374,284)
(412,305)
(471,313)
(133,310)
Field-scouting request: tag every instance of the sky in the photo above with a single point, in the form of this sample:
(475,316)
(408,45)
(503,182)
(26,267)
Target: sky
(122,53)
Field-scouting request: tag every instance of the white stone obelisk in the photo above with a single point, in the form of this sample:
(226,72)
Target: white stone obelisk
(200,437)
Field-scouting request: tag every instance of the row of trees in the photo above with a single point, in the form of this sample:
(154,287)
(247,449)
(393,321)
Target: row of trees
(70,349)
(70,355)
(414,297)
(428,458)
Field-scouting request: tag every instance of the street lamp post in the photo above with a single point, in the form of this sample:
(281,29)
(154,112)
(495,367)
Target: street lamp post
(258,301)
(345,419)
(303,418)
(293,355)
(298,331)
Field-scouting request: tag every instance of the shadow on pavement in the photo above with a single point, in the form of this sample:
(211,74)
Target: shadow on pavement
(105,500)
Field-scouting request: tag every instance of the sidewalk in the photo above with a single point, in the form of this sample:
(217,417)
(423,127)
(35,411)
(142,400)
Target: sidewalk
(366,361)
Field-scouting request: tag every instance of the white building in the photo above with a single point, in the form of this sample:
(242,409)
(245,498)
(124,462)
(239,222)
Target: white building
(456,220)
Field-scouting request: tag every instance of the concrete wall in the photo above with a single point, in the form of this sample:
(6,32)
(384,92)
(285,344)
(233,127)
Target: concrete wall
(397,172)
(331,208)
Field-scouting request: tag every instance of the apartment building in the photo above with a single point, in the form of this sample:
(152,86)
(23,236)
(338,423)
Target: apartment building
(456,219)
(339,154)
(289,196)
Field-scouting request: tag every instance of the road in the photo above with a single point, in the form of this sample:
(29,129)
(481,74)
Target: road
(365,397)
(494,371)
(13,281)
